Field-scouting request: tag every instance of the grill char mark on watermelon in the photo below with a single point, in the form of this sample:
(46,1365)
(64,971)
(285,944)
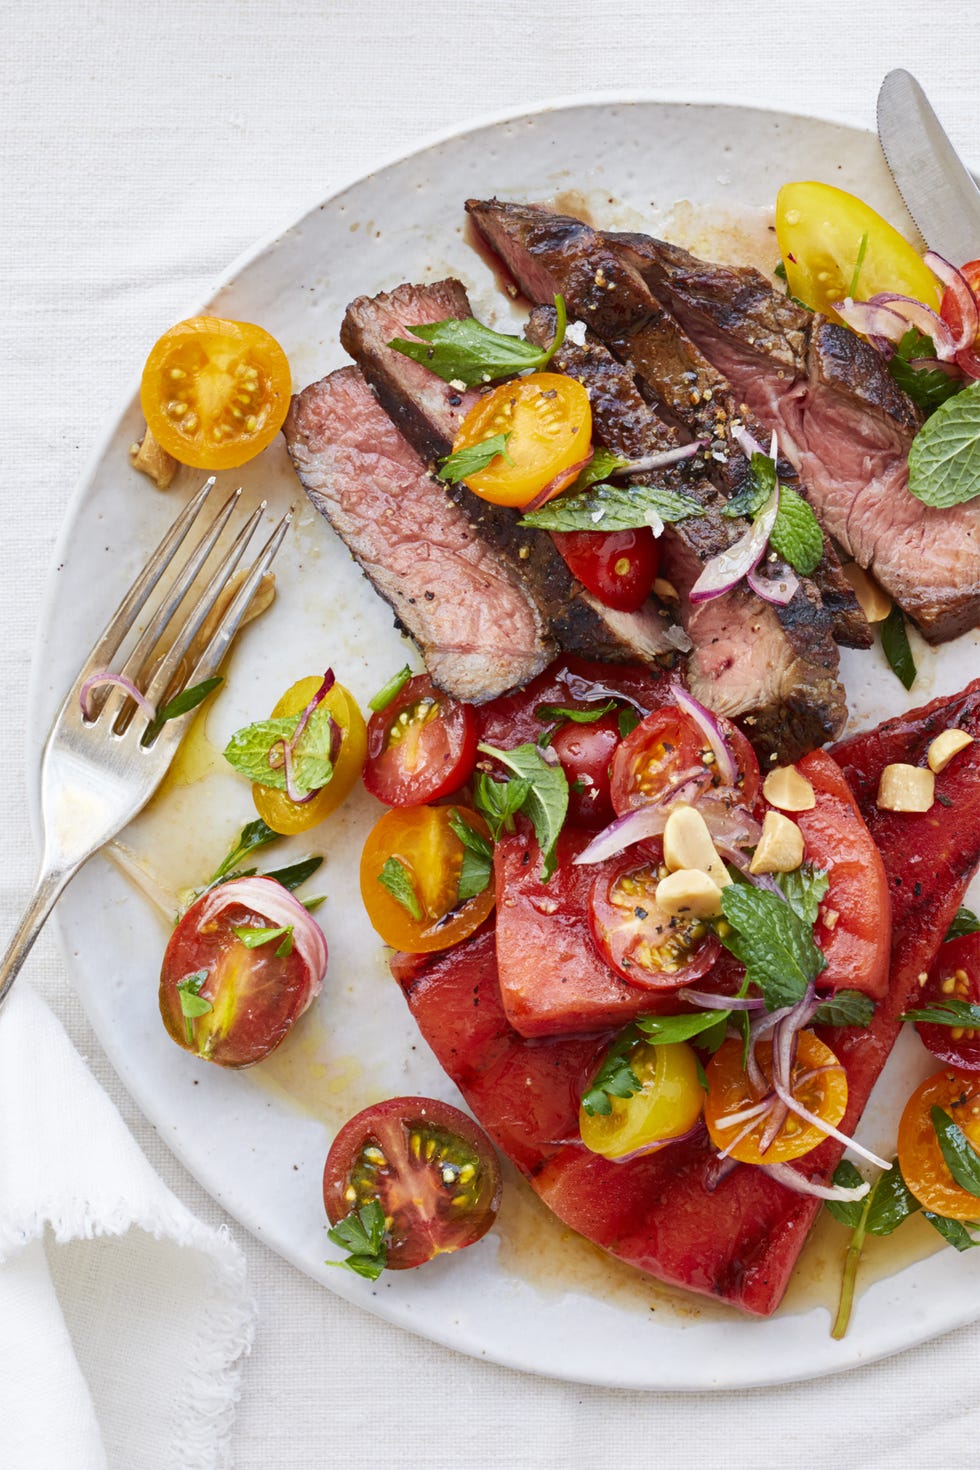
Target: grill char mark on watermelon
(740,1242)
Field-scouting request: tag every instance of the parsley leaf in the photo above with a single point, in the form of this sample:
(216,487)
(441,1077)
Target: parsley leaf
(182,704)
(463,350)
(546,801)
(663,1030)
(192,1002)
(397,880)
(796,533)
(248,751)
(845,1008)
(962,1160)
(498,802)
(964,922)
(749,502)
(388,691)
(615,1077)
(804,889)
(456,467)
(613,508)
(927,387)
(950,1011)
(896,647)
(944,460)
(296,874)
(477,866)
(773,943)
(362,1233)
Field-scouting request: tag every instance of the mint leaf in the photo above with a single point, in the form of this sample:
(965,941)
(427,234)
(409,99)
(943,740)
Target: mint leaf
(964,922)
(477,866)
(602,464)
(847,1211)
(952,1231)
(749,502)
(362,1233)
(947,1012)
(397,880)
(248,751)
(845,1008)
(456,467)
(896,647)
(546,801)
(613,508)
(254,936)
(796,534)
(464,350)
(192,1002)
(962,1160)
(182,704)
(944,461)
(773,943)
(804,890)
(498,802)
(927,387)
(387,693)
(663,1030)
(296,874)
(891,1202)
(615,1077)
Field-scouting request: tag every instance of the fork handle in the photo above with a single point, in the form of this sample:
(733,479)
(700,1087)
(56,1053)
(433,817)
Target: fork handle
(46,894)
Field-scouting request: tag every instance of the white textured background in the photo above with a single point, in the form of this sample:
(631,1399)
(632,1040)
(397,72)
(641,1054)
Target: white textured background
(142,146)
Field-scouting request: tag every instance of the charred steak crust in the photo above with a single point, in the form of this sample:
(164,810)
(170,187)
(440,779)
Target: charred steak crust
(428,412)
(478,631)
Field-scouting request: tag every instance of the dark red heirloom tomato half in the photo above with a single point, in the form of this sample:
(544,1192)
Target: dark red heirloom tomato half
(420,746)
(241,967)
(570,681)
(643,943)
(431,1168)
(968,358)
(618,567)
(667,750)
(955,975)
(585,751)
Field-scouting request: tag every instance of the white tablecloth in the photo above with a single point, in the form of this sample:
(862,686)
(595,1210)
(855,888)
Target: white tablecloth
(143,146)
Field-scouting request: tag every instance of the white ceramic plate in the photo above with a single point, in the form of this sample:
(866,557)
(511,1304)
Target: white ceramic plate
(530,1295)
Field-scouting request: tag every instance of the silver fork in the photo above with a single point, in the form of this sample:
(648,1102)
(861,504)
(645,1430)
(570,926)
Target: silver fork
(98,772)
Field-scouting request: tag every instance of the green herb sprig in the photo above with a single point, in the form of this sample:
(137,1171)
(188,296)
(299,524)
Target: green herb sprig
(362,1233)
(545,798)
(463,350)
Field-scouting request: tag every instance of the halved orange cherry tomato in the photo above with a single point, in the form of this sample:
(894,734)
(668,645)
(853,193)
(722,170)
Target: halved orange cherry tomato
(429,855)
(275,808)
(820,230)
(666,750)
(730,1093)
(215,392)
(549,421)
(924,1169)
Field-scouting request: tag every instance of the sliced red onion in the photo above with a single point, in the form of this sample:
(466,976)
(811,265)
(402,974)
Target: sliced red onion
(562,481)
(658,1143)
(825,1127)
(718,1170)
(872,319)
(933,365)
(746,442)
(730,825)
(886,348)
(778,590)
(743,861)
(282,752)
(706,1000)
(957,284)
(724,571)
(915,314)
(708,724)
(95,681)
(783,1174)
(638,825)
(661,461)
(746,1115)
(266,897)
(750,1126)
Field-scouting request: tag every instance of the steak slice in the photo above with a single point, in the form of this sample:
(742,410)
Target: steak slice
(458,597)
(429,413)
(665,1213)
(841,419)
(743,664)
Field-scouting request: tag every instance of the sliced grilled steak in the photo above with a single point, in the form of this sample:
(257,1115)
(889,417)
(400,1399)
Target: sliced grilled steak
(841,419)
(457,596)
(429,412)
(549,253)
(743,664)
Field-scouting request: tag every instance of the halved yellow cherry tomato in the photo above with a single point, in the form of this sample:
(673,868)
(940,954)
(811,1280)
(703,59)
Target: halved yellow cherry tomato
(730,1093)
(820,231)
(428,857)
(215,392)
(668,1104)
(920,1158)
(275,807)
(549,421)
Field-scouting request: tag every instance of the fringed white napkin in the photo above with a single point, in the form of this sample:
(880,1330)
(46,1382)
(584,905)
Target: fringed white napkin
(123,1319)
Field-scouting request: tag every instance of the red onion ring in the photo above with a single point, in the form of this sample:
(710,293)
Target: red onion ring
(778,590)
(916,314)
(658,1143)
(710,729)
(268,898)
(661,461)
(872,319)
(638,825)
(706,1000)
(783,1174)
(95,681)
(722,572)
(806,1116)
(717,1171)
(961,291)
(556,485)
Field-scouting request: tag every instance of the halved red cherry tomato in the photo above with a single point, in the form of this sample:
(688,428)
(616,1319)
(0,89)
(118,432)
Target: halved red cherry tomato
(231,1002)
(955,975)
(511,719)
(549,421)
(618,567)
(923,1167)
(643,943)
(822,1092)
(433,1171)
(215,392)
(668,749)
(585,752)
(420,746)
(968,358)
(428,857)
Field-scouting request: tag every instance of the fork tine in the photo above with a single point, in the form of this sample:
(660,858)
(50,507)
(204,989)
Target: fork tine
(133,602)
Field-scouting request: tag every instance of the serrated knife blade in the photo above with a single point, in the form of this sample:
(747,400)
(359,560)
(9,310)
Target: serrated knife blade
(938,189)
